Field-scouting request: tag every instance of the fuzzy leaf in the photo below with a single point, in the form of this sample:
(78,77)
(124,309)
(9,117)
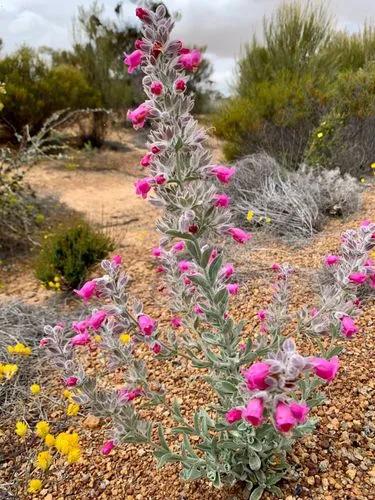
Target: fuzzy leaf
(257,493)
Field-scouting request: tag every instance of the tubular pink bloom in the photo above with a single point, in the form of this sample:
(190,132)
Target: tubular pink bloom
(262,315)
(176,322)
(160,269)
(133,60)
(365,223)
(190,60)
(372,280)
(108,447)
(184,266)
(139,115)
(221,200)
(213,255)
(256,376)
(157,252)
(97,319)
(156,88)
(193,229)
(325,369)
(156,348)
(299,411)
(146,324)
(284,419)
(348,327)
(142,14)
(142,187)
(178,247)
(197,309)
(80,339)
(80,326)
(180,85)
(223,173)
(275,267)
(139,44)
(71,381)
(187,282)
(314,311)
(117,260)
(242,346)
(146,160)
(227,271)
(369,263)
(330,260)
(253,413)
(357,278)
(233,288)
(233,415)
(43,342)
(87,291)
(239,235)
(126,395)
(155,149)
(160,179)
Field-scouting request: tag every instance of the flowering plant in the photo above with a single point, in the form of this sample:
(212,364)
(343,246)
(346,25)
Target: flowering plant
(264,388)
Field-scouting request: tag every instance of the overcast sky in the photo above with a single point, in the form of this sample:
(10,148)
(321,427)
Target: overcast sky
(224,26)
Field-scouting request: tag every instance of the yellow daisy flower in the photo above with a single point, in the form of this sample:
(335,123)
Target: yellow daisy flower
(42,429)
(35,389)
(21,429)
(44,460)
(34,486)
(72,410)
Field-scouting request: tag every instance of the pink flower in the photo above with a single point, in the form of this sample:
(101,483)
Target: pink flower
(139,115)
(142,14)
(239,235)
(369,263)
(221,200)
(97,319)
(253,413)
(176,322)
(155,149)
(348,327)
(160,179)
(197,309)
(227,271)
(299,411)
(233,288)
(213,255)
(357,278)
(275,267)
(325,369)
(372,281)
(284,419)
(43,342)
(71,381)
(330,260)
(314,311)
(262,314)
(156,348)
(133,60)
(223,173)
(156,88)
(108,447)
(117,260)
(146,160)
(193,229)
(80,326)
(242,346)
(142,187)
(157,252)
(233,415)
(190,60)
(87,291)
(146,324)
(160,269)
(180,85)
(126,395)
(178,247)
(256,376)
(184,266)
(139,44)
(80,339)
(365,223)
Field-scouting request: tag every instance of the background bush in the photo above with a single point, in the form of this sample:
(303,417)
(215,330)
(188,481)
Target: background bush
(67,255)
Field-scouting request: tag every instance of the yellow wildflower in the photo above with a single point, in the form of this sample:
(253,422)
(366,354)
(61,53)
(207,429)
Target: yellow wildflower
(74,455)
(268,220)
(362,180)
(21,429)
(35,389)
(19,348)
(66,442)
(8,371)
(250,215)
(44,460)
(42,429)
(72,410)
(97,338)
(67,394)
(373,165)
(125,338)
(35,485)
(320,134)
(56,278)
(49,440)
(372,254)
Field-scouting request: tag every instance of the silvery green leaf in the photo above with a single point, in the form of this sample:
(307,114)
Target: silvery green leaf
(254,461)
(257,493)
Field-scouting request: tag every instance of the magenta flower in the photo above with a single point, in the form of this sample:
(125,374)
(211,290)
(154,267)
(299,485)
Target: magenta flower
(142,14)
(157,252)
(184,266)
(80,326)
(156,348)
(108,447)
(80,339)
(142,187)
(139,44)
(160,179)
(96,320)
(275,267)
(325,369)
(190,60)
(348,327)
(198,310)
(43,342)
(117,260)
(156,88)
(71,381)
(233,415)
(176,322)
(233,288)
(256,376)
(133,60)
(126,395)
(227,271)
(284,419)
(262,314)
(87,291)
(299,411)
(146,160)
(139,115)
(372,280)
(180,85)
(253,413)
(146,324)
(178,247)
(155,149)
(357,278)
(330,260)
(222,173)
(221,200)
(314,312)
(239,235)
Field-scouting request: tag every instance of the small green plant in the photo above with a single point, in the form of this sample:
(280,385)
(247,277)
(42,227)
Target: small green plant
(67,255)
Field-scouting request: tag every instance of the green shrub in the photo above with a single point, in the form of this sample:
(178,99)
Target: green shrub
(67,255)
